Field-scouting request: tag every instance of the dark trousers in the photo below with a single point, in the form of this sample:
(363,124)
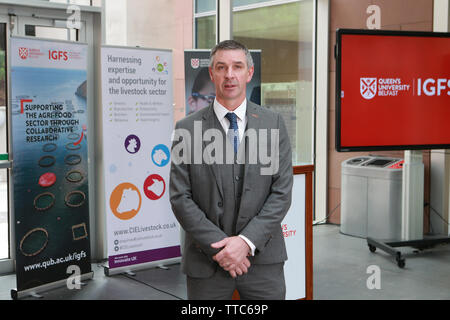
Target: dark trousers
(262,282)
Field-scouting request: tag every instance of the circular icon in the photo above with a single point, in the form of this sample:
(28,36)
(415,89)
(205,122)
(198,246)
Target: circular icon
(160,155)
(47,179)
(132,144)
(160,67)
(125,201)
(154,187)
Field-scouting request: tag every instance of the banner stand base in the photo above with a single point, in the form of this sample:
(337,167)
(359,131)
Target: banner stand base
(160,266)
(35,295)
(141,266)
(33,292)
(130,273)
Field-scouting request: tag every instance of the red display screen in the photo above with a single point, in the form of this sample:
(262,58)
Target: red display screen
(392,90)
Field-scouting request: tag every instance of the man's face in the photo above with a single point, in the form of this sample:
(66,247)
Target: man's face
(230,75)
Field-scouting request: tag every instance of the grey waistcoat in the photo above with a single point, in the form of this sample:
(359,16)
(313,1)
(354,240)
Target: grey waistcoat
(232,182)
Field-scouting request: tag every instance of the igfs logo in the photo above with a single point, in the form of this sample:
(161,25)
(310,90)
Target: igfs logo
(368,87)
(57,55)
(23,53)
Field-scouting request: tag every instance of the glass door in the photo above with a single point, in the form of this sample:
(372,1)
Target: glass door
(4,157)
(51,28)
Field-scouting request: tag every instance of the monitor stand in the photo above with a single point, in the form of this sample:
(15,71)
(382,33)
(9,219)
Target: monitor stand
(412,212)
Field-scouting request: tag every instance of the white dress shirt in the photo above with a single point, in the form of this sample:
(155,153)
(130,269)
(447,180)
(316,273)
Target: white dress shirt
(240,112)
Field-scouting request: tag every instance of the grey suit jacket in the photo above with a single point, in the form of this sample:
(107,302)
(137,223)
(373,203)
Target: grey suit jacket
(196,196)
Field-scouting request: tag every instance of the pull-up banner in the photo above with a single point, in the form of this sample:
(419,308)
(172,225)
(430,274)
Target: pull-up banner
(49,148)
(137,127)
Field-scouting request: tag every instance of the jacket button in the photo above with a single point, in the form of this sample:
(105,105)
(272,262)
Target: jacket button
(220,204)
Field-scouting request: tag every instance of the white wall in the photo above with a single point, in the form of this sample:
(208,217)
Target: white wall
(115,22)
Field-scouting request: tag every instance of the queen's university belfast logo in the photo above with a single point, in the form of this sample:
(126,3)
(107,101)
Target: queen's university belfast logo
(368,87)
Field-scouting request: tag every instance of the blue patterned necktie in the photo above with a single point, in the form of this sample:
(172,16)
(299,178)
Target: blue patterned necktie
(233,131)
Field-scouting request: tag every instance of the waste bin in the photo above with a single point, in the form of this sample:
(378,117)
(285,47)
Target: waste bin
(371,197)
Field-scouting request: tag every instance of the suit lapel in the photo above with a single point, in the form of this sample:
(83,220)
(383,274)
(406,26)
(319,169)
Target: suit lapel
(209,122)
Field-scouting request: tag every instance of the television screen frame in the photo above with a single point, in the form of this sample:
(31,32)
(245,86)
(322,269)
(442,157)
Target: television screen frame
(338,57)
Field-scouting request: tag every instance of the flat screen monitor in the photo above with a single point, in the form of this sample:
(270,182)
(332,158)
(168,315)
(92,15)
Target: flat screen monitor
(392,90)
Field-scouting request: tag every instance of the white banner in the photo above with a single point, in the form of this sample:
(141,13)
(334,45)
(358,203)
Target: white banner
(48,54)
(137,127)
(293,227)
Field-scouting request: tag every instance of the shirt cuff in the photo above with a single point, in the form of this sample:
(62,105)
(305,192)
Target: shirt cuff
(250,244)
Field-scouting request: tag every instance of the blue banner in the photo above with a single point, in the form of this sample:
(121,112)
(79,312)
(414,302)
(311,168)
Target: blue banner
(49,148)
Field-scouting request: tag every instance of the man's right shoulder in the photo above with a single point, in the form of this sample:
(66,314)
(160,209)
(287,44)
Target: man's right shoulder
(188,121)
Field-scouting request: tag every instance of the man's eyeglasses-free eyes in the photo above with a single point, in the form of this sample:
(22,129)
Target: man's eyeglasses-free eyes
(209,98)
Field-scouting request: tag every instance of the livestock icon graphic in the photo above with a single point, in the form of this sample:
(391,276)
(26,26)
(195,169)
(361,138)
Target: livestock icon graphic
(154,187)
(129,201)
(125,201)
(160,155)
(132,144)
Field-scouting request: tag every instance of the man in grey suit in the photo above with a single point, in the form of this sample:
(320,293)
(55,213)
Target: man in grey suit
(231,211)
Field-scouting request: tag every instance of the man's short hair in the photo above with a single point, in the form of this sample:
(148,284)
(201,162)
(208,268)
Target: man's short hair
(230,45)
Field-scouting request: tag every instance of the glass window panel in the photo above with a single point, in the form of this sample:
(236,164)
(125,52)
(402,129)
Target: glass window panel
(4,234)
(78,2)
(2,76)
(205,6)
(3,132)
(50,32)
(205,29)
(81,2)
(238,3)
(284,33)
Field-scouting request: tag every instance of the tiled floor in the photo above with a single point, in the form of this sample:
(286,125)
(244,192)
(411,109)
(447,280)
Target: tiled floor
(340,272)
(151,284)
(341,265)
